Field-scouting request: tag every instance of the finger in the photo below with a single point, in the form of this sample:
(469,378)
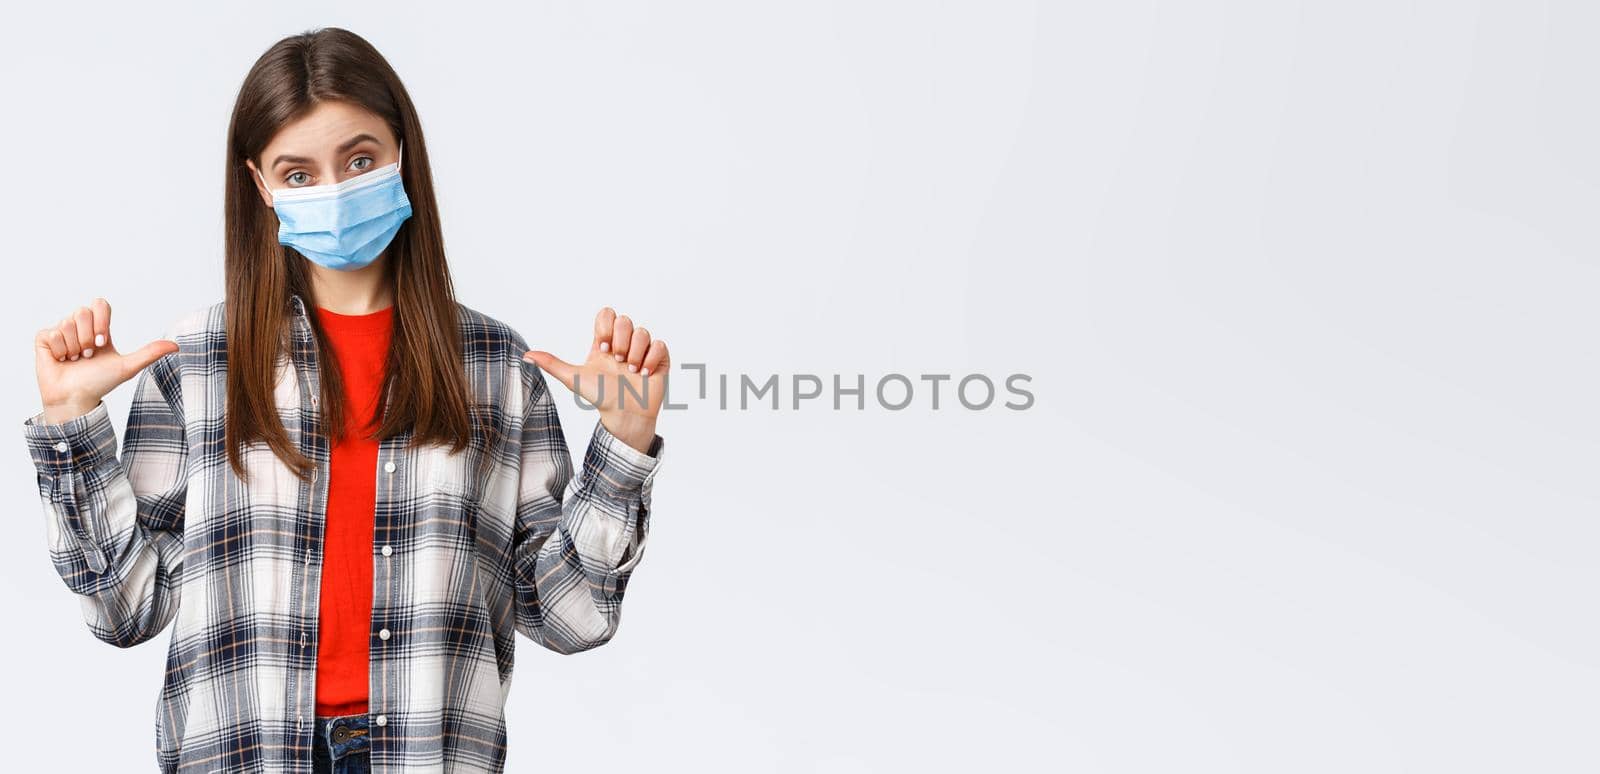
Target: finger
(602,328)
(102,322)
(135,361)
(85,321)
(69,334)
(52,339)
(655,361)
(638,347)
(555,366)
(621,334)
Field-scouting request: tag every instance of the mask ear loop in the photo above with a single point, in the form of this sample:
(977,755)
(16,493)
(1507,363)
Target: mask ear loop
(263,180)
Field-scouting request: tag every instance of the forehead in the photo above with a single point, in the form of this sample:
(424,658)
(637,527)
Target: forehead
(323,128)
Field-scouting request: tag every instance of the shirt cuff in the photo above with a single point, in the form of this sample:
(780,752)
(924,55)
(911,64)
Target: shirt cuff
(84,442)
(617,470)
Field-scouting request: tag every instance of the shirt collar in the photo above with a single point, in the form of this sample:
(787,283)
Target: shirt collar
(301,321)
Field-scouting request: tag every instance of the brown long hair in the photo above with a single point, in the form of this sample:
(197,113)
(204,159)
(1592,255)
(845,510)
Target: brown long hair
(424,355)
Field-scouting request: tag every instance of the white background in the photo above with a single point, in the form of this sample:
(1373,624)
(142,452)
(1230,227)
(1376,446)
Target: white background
(1306,290)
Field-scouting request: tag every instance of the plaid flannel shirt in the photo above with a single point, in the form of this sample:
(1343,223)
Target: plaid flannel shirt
(469,548)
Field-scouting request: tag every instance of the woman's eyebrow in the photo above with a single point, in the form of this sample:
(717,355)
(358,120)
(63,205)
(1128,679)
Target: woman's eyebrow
(343,147)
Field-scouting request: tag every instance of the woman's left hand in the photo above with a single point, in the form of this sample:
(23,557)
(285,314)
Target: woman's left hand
(625,376)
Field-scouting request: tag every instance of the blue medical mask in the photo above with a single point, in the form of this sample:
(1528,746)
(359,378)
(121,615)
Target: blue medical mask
(343,225)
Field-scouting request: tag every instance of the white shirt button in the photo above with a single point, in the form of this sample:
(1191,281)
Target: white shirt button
(387,550)
(383,720)
(383,634)
(389,466)
(61,446)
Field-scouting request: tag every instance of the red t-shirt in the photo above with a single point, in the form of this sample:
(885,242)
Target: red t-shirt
(360,343)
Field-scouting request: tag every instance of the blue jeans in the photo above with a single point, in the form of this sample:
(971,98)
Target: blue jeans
(340,744)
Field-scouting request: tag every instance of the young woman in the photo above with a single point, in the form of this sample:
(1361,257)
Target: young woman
(348,489)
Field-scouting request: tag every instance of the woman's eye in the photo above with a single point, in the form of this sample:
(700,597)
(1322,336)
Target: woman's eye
(298,178)
(358,165)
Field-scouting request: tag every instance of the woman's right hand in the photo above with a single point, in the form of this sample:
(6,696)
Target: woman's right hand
(78,363)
